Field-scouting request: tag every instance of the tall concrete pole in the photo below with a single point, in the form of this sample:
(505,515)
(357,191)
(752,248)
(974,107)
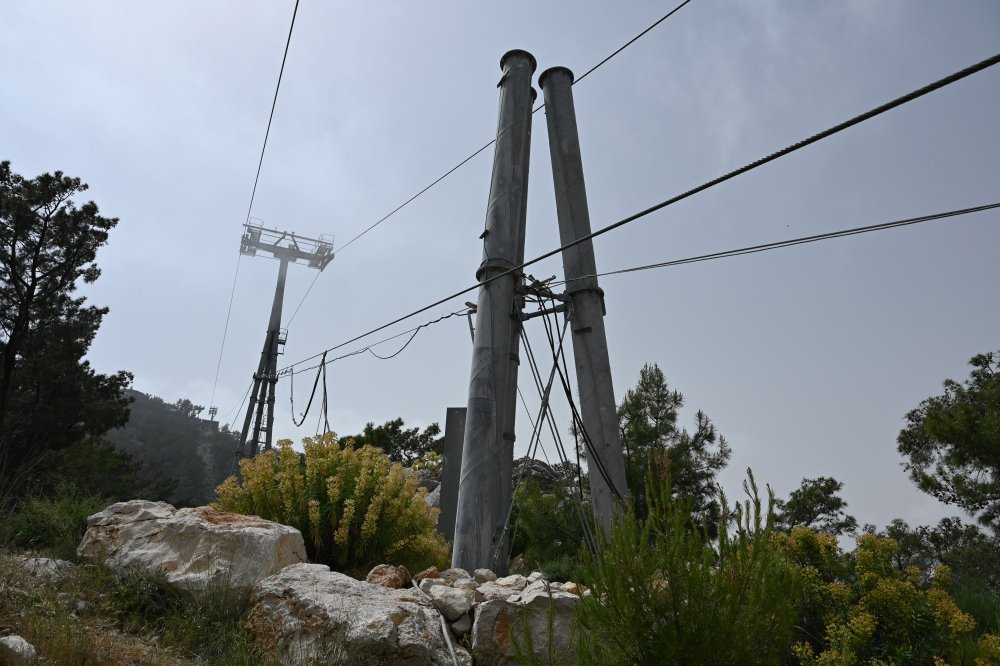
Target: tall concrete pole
(488,448)
(590,343)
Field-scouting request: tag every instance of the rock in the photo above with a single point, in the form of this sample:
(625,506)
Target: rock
(462,625)
(498,623)
(515,582)
(429,572)
(453,603)
(518,564)
(80,608)
(484,576)
(389,576)
(489,591)
(197,550)
(16,651)
(451,575)
(571,587)
(427,583)
(433,498)
(465,584)
(49,570)
(314,615)
(535,576)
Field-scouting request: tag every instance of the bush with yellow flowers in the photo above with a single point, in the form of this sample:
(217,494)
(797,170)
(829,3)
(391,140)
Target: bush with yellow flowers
(864,610)
(353,506)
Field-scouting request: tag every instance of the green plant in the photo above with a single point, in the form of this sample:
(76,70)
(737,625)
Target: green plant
(863,609)
(53,524)
(547,529)
(664,593)
(353,506)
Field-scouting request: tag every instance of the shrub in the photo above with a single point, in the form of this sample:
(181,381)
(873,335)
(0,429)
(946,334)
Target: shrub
(53,524)
(353,506)
(547,529)
(664,593)
(863,609)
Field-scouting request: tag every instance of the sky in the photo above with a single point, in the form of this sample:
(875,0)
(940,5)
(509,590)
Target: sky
(807,359)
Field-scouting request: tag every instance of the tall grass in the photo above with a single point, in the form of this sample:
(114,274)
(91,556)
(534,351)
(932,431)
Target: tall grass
(664,593)
(54,524)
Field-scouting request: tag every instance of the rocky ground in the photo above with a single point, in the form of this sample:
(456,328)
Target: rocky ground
(290,611)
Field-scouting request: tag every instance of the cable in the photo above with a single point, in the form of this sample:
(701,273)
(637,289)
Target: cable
(802,240)
(304,297)
(633,40)
(253,194)
(416,329)
(225,330)
(274,103)
(492,141)
(989,62)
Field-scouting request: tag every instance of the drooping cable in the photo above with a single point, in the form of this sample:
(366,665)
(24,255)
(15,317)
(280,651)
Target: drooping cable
(989,62)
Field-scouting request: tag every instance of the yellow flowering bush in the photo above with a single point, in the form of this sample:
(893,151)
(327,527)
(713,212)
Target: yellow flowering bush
(867,611)
(353,506)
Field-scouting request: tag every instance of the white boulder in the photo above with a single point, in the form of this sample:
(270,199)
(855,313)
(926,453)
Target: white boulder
(315,615)
(16,651)
(49,570)
(197,550)
(499,623)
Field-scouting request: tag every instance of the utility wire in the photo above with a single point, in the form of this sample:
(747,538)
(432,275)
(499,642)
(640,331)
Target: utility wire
(492,141)
(304,297)
(989,62)
(253,194)
(802,240)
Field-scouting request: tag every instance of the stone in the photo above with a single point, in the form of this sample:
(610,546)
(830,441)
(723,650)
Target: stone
(484,576)
(198,551)
(433,498)
(49,570)
(518,564)
(498,623)
(465,584)
(571,587)
(389,576)
(427,583)
(535,576)
(429,572)
(452,602)
(314,615)
(451,575)
(462,625)
(16,651)
(516,582)
(490,591)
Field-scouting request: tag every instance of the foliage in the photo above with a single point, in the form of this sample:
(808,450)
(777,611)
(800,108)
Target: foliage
(816,504)
(970,554)
(863,609)
(353,506)
(546,528)
(125,617)
(172,439)
(663,593)
(96,468)
(952,442)
(52,523)
(402,445)
(647,420)
(50,398)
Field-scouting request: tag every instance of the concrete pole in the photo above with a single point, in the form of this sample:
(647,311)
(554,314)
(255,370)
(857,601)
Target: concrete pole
(488,448)
(590,345)
(454,432)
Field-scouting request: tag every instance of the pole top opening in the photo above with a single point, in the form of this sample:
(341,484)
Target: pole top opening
(553,70)
(519,53)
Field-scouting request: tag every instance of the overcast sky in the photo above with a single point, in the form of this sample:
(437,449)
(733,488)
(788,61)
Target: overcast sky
(807,359)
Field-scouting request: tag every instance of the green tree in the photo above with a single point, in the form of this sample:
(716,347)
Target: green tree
(402,445)
(952,442)
(50,398)
(816,504)
(647,420)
